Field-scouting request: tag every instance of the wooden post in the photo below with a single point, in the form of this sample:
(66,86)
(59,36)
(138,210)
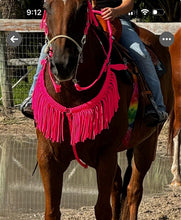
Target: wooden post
(6,89)
(4,162)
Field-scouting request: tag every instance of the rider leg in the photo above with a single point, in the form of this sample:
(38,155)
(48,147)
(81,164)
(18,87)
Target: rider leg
(26,104)
(140,55)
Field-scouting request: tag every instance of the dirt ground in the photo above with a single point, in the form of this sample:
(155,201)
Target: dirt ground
(156,207)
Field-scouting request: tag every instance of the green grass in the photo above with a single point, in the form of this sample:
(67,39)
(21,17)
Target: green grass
(20,92)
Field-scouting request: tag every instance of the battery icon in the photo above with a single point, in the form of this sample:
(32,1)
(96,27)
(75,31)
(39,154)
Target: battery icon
(158,12)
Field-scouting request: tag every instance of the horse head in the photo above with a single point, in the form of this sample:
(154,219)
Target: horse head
(66,21)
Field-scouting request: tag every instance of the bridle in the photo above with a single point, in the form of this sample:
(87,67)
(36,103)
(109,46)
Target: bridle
(90,19)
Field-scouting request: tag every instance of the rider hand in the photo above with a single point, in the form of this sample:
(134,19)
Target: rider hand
(109,13)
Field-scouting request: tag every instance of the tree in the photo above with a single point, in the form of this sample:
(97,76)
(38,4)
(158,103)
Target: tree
(17,8)
(9,9)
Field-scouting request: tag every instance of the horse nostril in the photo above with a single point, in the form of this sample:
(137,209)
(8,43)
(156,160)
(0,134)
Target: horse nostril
(63,64)
(62,59)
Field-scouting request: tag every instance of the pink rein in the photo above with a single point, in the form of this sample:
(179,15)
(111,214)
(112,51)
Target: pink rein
(106,62)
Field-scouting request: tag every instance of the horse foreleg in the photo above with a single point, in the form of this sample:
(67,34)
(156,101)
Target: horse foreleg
(52,177)
(175,169)
(115,194)
(127,177)
(105,169)
(143,157)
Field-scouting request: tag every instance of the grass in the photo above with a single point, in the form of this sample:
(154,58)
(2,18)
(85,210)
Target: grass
(20,92)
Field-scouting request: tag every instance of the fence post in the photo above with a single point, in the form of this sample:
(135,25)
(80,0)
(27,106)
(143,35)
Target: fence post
(4,162)
(6,89)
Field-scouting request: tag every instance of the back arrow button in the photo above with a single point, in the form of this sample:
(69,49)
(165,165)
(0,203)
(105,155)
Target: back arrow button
(14,39)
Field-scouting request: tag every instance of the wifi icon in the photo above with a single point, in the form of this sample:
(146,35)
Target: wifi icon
(144,11)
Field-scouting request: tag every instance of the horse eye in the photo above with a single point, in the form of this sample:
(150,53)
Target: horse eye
(83,5)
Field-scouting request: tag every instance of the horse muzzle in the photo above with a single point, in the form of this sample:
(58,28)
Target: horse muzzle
(64,63)
(63,67)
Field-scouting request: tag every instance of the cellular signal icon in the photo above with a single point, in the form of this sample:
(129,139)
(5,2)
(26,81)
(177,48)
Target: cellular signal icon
(144,11)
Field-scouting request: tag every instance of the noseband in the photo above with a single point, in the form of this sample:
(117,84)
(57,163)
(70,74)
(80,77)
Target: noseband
(79,48)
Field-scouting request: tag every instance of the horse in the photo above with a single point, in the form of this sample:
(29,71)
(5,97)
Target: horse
(175,118)
(80,126)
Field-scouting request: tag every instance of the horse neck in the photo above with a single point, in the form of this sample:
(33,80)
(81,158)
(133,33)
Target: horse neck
(93,59)
(88,71)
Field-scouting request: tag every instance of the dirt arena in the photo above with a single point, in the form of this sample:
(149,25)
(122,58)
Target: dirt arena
(155,207)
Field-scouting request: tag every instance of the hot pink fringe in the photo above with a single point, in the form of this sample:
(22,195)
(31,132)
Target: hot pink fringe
(85,121)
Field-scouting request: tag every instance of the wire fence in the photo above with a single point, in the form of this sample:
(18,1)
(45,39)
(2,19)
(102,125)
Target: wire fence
(19,66)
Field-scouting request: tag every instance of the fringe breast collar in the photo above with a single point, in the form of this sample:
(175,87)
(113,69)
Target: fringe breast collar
(86,120)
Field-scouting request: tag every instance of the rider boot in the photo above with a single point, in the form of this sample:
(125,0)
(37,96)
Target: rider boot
(26,107)
(152,115)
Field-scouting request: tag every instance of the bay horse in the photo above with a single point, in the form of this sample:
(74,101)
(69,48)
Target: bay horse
(175,118)
(69,83)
